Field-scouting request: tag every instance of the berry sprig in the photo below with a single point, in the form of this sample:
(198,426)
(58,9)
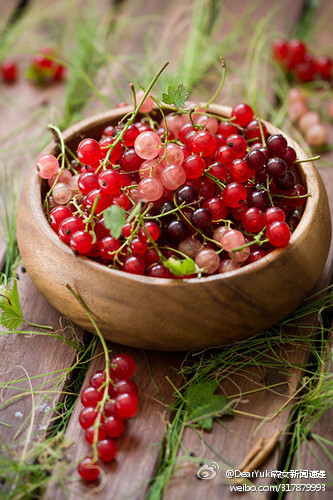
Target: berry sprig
(300,64)
(180,196)
(110,398)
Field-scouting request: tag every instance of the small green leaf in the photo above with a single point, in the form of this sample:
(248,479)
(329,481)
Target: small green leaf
(177,95)
(180,267)
(203,405)
(114,219)
(11,316)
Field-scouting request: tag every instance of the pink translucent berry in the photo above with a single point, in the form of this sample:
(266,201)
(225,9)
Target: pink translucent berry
(147,168)
(150,189)
(227,265)
(241,255)
(173,176)
(47,165)
(147,145)
(174,154)
(219,231)
(62,193)
(232,239)
(175,123)
(65,177)
(208,260)
(147,104)
(210,123)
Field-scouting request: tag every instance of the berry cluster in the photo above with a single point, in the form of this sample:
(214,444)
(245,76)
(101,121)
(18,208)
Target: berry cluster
(108,401)
(295,58)
(43,68)
(220,193)
(309,122)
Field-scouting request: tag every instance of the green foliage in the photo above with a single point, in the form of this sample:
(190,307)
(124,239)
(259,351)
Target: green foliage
(11,316)
(176,95)
(180,267)
(203,405)
(114,219)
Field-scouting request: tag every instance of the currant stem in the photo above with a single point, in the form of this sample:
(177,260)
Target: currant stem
(314,158)
(224,73)
(107,365)
(36,325)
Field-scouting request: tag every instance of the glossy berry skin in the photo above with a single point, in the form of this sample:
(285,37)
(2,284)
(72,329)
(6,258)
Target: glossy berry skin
(87,182)
(9,71)
(107,450)
(47,165)
(81,242)
(252,130)
(252,220)
(114,426)
(122,366)
(217,208)
(122,386)
(186,194)
(152,229)
(239,170)
(104,200)
(90,433)
(138,246)
(225,155)
(159,271)
(204,143)
(238,145)
(226,128)
(289,156)
(176,231)
(134,265)
(88,470)
(194,166)
(108,247)
(276,167)
(219,171)
(273,214)
(97,379)
(90,396)
(130,161)
(108,150)
(58,214)
(110,182)
(287,181)
(234,194)
(126,405)
(89,152)
(276,145)
(256,159)
(130,135)
(201,218)
(278,234)
(243,114)
(280,50)
(68,227)
(87,417)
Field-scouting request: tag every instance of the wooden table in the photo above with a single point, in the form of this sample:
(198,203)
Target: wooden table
(36,361)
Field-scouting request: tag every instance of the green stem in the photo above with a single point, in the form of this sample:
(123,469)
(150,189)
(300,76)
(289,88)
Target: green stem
(36,325)
(224,72)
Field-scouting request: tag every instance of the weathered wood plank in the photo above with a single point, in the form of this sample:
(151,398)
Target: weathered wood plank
(30,360)
(235,437)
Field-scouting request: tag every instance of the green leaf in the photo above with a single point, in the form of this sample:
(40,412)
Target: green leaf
(114,219)
(203,405)
(177,95)
(11,316)
(180,267)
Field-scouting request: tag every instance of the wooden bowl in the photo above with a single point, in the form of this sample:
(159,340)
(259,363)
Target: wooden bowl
(155,313)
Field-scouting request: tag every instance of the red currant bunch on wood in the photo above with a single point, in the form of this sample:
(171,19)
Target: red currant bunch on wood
(108,400)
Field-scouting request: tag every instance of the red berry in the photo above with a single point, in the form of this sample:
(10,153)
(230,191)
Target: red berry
(204,143)
(234,194)
(126,405)
(104,200)
(58,214)
(108,247)
(97,379)
(114,426)
(225,155)
(89,152)
(238,145)
(90,433)
(273,214)
(88,469)
(68,227)
(106,144)
(227,128)
(252,220)
(122,366)
(90,396)
(134,265)
(87,417)
(194,166)
(278,234)
(9,71)
(81,241)
(280,50)
(243,114)
(107,449)
(152,229)
(130,135)
(138,246)
(110,181)
(87,182)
